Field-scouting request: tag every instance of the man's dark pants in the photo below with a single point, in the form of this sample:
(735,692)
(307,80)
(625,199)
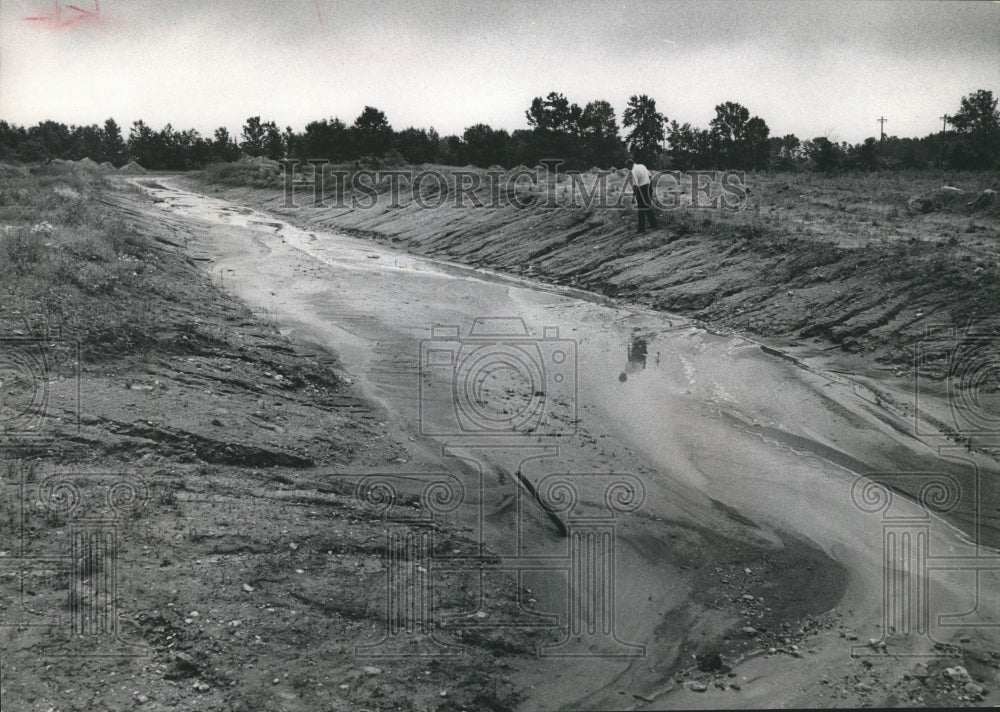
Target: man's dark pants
(644,201)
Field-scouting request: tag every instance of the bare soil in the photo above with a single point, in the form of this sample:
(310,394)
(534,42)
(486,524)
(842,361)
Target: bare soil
(248,569)
(848,261)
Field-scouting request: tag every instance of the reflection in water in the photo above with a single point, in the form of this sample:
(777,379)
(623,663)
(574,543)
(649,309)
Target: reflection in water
(636,357)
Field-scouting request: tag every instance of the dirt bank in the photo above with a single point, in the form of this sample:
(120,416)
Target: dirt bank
(229,563)
(245,570)
(247,567)
(848,265)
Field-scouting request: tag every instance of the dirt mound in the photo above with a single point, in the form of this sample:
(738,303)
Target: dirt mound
(261,161)
(132,168)
(986,202)
(89,163)
(951,199)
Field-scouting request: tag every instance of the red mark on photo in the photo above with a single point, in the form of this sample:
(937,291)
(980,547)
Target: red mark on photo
(71,15)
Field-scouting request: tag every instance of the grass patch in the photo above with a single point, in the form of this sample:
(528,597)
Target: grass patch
(70,263)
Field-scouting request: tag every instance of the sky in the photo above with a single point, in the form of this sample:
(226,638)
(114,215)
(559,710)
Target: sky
(828,68)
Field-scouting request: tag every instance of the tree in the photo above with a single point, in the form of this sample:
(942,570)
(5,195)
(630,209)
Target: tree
(113,143)
(824,154)
(274,144)
(253,137)
(599,134)
(142,144)
(13,142)
(451,150)
(223,148)
(868,154)
(87,141)
(484,146)
(374,134)
(53,139)
(690,147)
(523,148)
(785,152)
(290,140)
(977,113)
(553,114)
(647,126)
(330,140)
(555,123)
(977,123)
(418,145)
(755,151)
(739,141)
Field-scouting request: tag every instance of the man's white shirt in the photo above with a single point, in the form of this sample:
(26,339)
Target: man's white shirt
(640,174)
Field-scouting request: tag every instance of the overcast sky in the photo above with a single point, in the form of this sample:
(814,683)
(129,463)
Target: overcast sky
(828,68)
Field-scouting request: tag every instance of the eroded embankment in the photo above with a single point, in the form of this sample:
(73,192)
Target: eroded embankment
(808,259)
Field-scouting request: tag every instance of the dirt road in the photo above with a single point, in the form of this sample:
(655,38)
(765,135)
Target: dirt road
(746,510)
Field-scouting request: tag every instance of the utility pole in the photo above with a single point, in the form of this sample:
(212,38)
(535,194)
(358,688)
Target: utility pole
(944,130)
(881,128)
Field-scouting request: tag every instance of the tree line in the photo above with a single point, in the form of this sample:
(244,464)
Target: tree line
(556,129)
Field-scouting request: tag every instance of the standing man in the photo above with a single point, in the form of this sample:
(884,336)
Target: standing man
(643,194)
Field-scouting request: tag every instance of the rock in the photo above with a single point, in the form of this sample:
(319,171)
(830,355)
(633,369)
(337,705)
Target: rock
(920,671)
(920,205)
(851,636)
(183,666)
(748,630)
(973,689)
(248,588)
(862,687)
(747,597)
(201,686)
(695,686)
(371,670)
(957,674)
(735,686)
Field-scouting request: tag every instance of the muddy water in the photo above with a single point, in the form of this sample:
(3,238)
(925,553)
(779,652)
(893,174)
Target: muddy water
(512,376)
